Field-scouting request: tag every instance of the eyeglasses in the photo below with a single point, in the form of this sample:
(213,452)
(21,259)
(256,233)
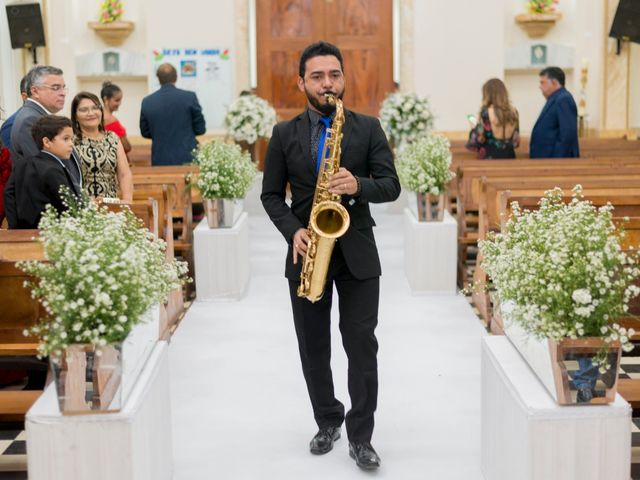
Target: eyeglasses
(94,108)
(55,88)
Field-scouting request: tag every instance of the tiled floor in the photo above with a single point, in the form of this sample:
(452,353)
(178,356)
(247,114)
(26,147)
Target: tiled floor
(13,453)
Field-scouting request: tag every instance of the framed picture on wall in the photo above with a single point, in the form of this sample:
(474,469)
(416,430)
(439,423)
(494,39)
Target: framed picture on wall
(111,62)
(538,54)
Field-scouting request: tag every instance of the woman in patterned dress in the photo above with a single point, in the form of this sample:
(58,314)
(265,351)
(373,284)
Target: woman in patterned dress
(496,133)
(103,161)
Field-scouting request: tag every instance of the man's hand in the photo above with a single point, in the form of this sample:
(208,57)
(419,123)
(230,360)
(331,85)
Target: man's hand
(300,240)
(343,183)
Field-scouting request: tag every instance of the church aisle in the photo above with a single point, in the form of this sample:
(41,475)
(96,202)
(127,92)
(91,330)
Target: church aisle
(239,403)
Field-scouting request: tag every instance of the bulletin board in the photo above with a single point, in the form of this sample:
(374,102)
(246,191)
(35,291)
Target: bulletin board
(205,71)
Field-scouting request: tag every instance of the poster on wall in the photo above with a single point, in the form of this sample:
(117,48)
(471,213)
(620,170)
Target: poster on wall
(205,71)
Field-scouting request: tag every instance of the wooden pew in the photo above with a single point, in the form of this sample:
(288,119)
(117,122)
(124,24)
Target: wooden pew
(163,196)
(18,311)
(626,201)
(470,174)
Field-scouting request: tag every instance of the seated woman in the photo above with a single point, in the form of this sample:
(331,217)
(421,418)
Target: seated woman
(111,95)
(102,158)
(39,178)
(496,133)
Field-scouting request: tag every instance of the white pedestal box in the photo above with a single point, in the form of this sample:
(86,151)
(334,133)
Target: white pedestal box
(222,260)
(430,254)
(526,435)
(133,444)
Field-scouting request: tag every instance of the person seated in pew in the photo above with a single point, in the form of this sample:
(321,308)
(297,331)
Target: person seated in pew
(495,133)
(102,158)
(38,179)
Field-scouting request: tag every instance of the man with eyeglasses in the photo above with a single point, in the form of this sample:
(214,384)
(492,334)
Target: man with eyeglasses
(46,94)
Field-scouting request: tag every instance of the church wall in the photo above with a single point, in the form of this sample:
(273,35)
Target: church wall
(634,102)
(453,58)
(454,47)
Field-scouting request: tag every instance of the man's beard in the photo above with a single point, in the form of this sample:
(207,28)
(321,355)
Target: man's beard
(326,109)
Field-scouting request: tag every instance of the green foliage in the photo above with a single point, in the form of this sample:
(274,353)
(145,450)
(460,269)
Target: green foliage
(225,171)
(104,271)
(424,166)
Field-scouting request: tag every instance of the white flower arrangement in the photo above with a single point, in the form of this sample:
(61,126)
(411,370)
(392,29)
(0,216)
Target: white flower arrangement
(250,117)
(225,170)
(405,118)
(103,272)
(563,268)
(424,166)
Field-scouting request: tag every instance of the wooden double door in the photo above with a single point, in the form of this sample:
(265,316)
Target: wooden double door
(362,29)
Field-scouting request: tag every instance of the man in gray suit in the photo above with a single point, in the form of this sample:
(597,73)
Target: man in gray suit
(46,94)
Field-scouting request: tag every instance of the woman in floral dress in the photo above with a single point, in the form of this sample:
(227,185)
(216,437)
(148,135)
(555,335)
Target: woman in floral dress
(496,132)
(103,161)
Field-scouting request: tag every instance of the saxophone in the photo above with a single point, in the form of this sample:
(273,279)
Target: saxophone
(329,220)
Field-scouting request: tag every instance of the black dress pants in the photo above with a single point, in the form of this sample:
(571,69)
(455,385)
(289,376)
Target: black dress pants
(358,306)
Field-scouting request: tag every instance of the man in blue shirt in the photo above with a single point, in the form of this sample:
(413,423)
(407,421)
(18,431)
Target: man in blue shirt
(5,130)
(555,134)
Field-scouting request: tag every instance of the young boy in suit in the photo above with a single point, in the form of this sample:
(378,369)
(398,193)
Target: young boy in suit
(40,177)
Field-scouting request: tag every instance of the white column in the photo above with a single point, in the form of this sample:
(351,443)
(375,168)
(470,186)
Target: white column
(430,254)
(133,444)
(221,260)
(526,435)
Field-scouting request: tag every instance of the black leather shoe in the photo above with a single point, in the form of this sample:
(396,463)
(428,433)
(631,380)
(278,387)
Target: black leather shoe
(323,440)
(364,455)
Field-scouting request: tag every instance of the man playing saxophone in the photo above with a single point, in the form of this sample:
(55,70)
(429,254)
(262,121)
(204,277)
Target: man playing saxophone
(366,175)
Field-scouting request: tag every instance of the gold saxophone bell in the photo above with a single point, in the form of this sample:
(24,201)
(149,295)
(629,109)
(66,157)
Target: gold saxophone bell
(329,219)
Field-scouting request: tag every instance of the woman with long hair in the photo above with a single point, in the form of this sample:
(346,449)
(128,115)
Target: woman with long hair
(111,95)
(103,161)
(496,132)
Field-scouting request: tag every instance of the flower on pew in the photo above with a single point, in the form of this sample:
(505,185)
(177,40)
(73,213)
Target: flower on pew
(225,170)
(564,269)
(250,117)
(103,272)
(424,166)
(111,11)
(405,118)
(542,6)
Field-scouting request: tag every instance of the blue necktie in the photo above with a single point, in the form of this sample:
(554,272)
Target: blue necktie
(326,121)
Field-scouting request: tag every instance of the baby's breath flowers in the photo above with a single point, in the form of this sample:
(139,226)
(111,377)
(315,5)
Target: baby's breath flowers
(564,269)
(103,272)
(250,117)
(423,166)
(225,171)
(405,118)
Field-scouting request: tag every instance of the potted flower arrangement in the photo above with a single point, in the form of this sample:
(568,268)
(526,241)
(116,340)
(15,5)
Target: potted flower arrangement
(405,117)
(248,119)
(424,168)
(102,276)
(562,281)
(226,173)
(541,16)
(109,26)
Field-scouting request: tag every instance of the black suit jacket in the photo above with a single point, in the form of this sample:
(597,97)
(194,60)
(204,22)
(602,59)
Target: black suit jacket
(365,153)
(171,118)
(22,147)
(38,180)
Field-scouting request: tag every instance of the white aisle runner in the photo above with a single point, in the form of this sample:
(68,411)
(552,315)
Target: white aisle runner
(240,406)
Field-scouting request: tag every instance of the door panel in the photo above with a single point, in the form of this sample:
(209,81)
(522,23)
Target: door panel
(362,29)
